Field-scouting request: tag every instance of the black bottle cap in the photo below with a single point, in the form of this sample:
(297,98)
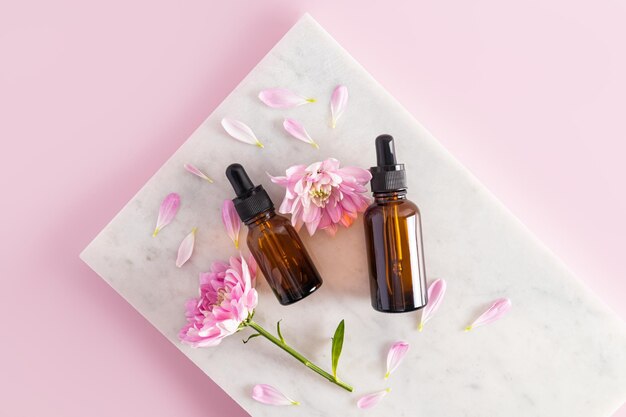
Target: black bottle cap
(250,200)
(388,175)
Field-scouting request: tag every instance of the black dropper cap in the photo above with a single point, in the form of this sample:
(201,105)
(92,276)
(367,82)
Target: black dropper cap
(388,175)
(250,200)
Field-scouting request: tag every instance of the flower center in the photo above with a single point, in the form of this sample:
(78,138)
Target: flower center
(319,196)
(221,294)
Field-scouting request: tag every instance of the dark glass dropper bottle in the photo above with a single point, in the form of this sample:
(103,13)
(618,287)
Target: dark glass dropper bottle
(393,236)
(273,241)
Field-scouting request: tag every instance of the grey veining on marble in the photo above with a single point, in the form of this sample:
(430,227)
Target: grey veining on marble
(559,352)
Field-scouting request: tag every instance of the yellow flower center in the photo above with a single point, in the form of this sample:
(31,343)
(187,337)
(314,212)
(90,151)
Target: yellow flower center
(319,196)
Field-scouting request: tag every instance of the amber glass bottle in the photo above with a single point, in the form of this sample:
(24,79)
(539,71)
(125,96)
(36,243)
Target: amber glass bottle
(393,236)
(273,242)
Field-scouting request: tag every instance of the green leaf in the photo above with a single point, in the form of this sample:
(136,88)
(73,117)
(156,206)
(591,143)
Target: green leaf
(250,337)
(337,346)
(280,335)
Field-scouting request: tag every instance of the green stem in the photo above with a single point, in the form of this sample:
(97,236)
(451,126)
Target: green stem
(284,346)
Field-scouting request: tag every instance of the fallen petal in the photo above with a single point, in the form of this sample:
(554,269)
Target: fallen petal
(338,103)
(370,400)
(436,291)
(267,394)
(498,309)
(186,248)
(167,212)
(240,131)
(295,129)
(231,221)
(397,351)
(282,98)
(195,171)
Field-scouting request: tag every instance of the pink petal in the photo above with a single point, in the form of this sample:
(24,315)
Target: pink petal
(295,129)
(498,309)
(396,353)
(338,102)
(361,176)
(167,212)
(331,229)
(245,272)
(436,290)
(231,221)
(240,131)
(282,181)
(370,400)
(186,248)
(267,394)
(195,171)
(311,226)
(282,98)
(334,212)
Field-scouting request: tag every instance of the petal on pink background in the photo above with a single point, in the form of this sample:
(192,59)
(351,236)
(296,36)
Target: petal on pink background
(186,248)
(397,352)
(371,400)
(231,221)
(338,103)
(498,309)
(240,131)
(283,98)
(436,291)
(295,129)
(195,171)
(167,212)
(267,394)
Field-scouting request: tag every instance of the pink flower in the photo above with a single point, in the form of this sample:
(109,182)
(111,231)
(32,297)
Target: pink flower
(227,298)
(322,195)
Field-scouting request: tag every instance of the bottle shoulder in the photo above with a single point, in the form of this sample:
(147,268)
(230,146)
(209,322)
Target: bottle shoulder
(275,222)
(401,208)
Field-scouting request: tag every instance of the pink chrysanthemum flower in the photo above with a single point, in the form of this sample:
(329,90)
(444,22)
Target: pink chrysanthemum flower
(322,195)
(227,298)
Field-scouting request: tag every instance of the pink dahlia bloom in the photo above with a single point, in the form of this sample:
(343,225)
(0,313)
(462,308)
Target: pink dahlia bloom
(227,298)
(322,195)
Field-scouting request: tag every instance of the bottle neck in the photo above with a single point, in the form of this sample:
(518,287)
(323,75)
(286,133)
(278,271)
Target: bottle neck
(260,218)
(388,196)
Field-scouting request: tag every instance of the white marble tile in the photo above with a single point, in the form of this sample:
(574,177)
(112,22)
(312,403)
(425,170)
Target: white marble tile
(560,352)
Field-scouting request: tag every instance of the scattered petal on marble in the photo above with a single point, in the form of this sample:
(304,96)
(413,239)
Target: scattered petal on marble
(397,351)
(167,212)
(338,103)
(282,98)
(231,221)
(240,131)
(370,400)
(295,129)
(436,291)
(195,171)
(267,394)
(498,309)
(186,248)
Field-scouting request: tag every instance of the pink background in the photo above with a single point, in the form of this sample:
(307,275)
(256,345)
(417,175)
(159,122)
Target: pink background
(94,96)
